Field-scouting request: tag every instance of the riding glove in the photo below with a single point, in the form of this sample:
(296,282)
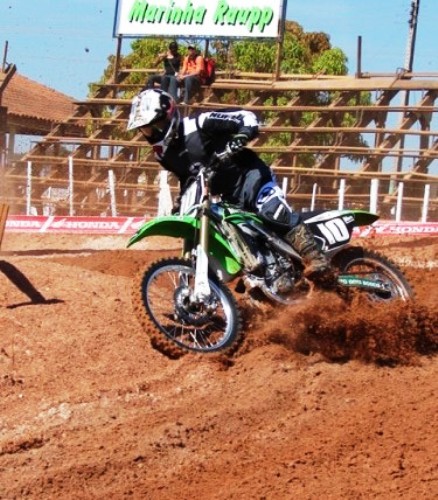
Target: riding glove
(237,143)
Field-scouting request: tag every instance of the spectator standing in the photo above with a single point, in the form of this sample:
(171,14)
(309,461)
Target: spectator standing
(172,64)
(190,74)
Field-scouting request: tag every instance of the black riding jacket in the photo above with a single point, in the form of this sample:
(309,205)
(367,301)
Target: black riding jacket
(239,181)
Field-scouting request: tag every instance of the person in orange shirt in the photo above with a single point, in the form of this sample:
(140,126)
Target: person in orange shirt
(190,74)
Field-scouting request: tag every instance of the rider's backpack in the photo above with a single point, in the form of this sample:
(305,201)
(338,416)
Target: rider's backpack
(208,76)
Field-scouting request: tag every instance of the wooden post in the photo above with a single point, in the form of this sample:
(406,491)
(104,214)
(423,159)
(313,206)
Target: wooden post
(112,191)
(374,195)
(70,186)
(206,47)
(425,203)
(4,209)
(280,41)
(5,56)
(398,210)
(341,194)
(117,60)
(359,57)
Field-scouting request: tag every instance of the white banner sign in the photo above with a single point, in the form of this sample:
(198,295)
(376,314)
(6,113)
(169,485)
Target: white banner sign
(199,18)
(128,225)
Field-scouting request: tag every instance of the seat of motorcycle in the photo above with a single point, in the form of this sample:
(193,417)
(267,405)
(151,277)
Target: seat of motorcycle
(308,214)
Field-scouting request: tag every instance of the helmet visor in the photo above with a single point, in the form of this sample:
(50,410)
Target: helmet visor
(156,132)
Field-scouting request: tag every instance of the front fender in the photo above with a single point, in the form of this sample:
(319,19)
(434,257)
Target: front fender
(168,225)
(184,227)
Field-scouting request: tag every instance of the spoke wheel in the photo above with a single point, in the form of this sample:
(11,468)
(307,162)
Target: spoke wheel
(375,266)
(163,302)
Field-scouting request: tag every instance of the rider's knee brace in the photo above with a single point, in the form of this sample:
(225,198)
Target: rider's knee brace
(272,206)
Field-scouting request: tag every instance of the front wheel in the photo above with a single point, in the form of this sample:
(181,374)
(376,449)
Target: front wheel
(366,263)
(163,302)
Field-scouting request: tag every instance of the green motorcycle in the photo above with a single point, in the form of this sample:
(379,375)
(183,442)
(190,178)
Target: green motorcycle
(187,304)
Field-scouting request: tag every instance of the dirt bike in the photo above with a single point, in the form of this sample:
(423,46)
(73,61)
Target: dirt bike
(186,304)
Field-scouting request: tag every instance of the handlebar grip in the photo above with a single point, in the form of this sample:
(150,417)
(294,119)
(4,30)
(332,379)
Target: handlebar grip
(225,155)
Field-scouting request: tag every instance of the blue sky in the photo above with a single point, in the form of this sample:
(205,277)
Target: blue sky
(383,26)
(65,44)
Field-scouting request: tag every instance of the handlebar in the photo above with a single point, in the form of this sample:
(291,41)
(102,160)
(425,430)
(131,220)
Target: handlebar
(218,158)
(194,186)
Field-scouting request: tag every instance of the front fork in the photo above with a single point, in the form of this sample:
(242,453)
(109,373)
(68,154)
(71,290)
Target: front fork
(202,287)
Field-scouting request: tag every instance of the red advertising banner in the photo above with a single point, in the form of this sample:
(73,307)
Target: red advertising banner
(129,225)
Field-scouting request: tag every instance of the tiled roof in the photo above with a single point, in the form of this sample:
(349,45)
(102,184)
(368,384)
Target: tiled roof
(27,98)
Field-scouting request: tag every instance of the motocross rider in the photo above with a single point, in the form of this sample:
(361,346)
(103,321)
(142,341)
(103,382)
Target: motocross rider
(181,145)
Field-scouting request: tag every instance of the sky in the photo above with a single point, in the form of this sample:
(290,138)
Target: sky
(382,25)
(65,44)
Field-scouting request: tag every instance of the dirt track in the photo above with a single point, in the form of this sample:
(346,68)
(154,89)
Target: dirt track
(321,403)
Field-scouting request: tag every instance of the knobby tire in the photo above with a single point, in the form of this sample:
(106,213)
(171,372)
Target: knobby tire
(162,342)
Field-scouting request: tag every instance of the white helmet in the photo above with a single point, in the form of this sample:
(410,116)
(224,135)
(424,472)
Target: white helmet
(152,106)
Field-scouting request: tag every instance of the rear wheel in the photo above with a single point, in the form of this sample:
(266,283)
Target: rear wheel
(175,322)
(372,265)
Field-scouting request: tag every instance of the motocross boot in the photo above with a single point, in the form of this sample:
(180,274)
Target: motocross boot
(317,266)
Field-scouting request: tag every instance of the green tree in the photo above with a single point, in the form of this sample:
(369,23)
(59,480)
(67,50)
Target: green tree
(301,53)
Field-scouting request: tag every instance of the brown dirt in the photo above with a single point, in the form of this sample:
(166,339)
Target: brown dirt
(319,402)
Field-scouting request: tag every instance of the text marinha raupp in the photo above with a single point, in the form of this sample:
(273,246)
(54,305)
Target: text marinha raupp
(222,13)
